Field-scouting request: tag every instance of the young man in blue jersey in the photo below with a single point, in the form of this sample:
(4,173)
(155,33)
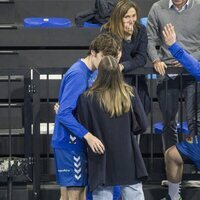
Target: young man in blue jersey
(70,137)
(187,151)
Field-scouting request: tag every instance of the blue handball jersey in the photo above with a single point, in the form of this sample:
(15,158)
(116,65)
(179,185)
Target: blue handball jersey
(68,132)
(190,63)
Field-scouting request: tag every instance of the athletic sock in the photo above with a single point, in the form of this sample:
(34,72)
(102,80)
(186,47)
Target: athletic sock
(174,190)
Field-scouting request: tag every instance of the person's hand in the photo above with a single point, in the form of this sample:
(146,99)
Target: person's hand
(56,107)
(160,67)
(94,143)
(128,28)
(169,34)
(176,64)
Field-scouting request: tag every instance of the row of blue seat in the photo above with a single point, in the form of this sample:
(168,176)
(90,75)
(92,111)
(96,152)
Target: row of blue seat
(41,22)
(181,128)
(52,22)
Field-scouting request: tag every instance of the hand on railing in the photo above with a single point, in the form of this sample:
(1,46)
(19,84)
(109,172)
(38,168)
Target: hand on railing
(176,64)
(160,67)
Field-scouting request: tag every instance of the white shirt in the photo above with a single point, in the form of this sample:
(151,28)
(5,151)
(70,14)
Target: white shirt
(179,10)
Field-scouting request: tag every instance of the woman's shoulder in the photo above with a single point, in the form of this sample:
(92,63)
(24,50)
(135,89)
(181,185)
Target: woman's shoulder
(141,28)
(86,97)
(141,32)
(83,98)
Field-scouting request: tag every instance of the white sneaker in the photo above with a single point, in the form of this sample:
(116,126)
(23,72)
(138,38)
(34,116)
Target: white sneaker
(164,183)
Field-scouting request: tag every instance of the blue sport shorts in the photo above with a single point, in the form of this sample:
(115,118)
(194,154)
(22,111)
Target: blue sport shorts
(71,168)
(190,148)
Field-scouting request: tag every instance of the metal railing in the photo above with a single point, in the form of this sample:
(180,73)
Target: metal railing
(32,105)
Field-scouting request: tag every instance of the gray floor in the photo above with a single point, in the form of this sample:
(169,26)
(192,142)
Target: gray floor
(153,191)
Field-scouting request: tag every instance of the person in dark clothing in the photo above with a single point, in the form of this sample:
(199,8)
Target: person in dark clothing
(107,110)
(124,23)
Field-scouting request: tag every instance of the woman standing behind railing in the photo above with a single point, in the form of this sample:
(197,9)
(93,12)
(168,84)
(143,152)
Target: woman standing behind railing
(124,23)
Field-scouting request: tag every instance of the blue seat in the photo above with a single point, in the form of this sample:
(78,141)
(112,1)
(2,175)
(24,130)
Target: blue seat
(143,21)
(91,25)
(158,128)
(184,129)
(39,22)
(151,76)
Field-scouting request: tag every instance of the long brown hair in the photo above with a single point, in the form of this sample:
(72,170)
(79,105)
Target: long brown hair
(112,93)
(115,24)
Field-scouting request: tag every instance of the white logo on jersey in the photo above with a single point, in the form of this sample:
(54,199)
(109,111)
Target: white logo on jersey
(72,139)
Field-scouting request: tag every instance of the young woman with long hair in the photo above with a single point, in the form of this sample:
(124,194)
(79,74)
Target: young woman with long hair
(106,109)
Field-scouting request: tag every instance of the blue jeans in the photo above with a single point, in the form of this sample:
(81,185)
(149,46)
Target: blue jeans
(128,192)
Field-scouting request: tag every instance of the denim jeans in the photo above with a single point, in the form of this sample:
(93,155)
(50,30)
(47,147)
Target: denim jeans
(128,192)
(168,98)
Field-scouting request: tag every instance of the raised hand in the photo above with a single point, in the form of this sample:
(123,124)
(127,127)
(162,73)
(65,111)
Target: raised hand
(169,34)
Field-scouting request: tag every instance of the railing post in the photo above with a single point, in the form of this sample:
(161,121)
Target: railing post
(36,135)
(10,180)
(28,112)
(151,125)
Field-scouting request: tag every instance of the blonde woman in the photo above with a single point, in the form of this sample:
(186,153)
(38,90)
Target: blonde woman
(106,109)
